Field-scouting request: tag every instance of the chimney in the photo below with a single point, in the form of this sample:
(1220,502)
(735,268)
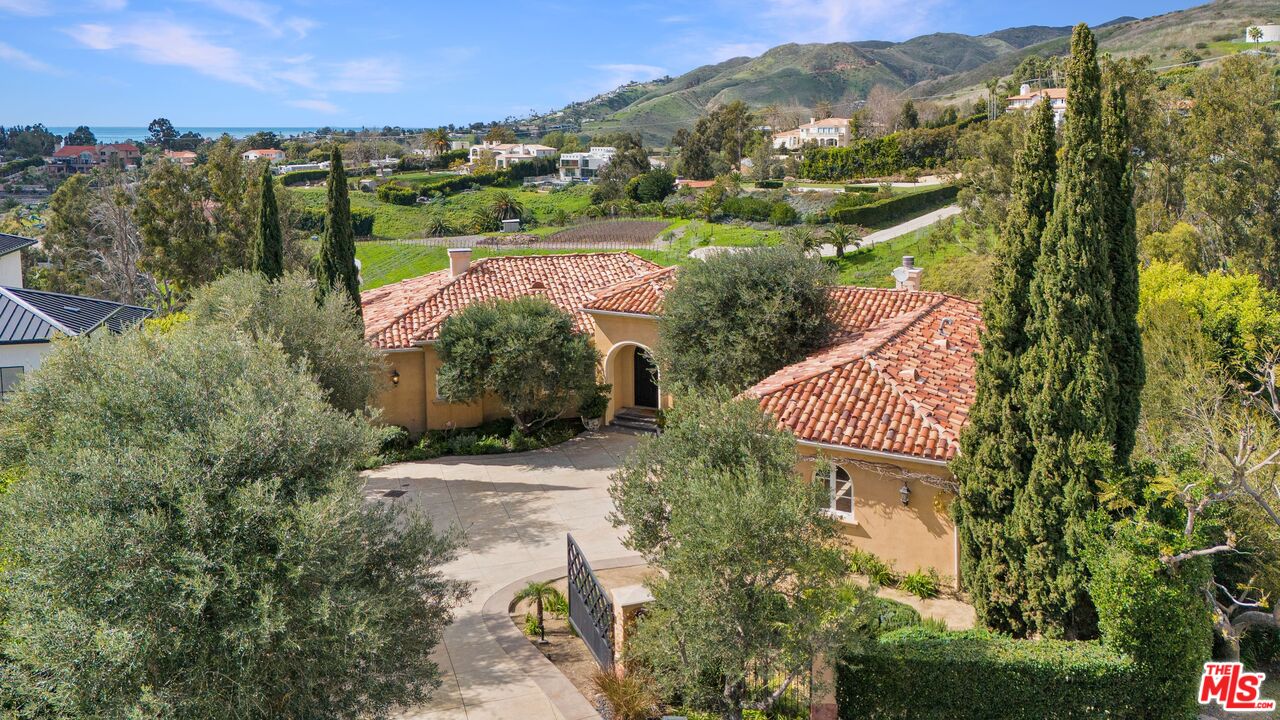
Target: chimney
(459,261)
(1025,89)
(907,277)
(813,120)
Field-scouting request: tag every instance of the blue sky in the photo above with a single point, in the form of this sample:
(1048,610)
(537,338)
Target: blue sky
(416,64)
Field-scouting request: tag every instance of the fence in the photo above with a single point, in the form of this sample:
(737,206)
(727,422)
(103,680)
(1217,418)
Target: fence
(590,607)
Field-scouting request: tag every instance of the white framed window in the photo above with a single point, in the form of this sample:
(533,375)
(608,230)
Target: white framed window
(839,493)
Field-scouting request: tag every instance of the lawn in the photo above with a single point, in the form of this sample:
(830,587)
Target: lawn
(949,266)
(408,221)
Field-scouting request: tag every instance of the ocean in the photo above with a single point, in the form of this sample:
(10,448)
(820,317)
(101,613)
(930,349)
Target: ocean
(108,134)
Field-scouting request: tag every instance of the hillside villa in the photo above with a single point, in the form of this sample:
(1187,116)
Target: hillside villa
(827,132)
(270,154)
(185,158)
(1027,99)
(30,319)
(72,159)
(507,154)
(882,405)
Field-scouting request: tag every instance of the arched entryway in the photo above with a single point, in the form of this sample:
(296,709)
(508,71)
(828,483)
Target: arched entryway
(630,369)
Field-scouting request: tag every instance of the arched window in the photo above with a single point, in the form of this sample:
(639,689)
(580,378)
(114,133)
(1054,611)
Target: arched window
(840,493)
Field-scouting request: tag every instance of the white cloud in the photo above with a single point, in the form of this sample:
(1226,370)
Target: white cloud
(675,19)
(168,43)
(316,104)
(720,53)
(263,15)
(844,20)
(365,75)
(108,5)
(26,7)
(14,56)
(621,73)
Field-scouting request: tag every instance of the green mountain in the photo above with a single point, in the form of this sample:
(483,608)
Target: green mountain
(792,79)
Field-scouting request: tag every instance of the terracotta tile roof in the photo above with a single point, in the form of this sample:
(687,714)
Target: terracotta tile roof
(410,312)
(640,296)
(74,150)
(857,309)
(902,386)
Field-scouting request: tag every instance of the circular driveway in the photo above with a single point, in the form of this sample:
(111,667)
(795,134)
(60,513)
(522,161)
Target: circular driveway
(512,512)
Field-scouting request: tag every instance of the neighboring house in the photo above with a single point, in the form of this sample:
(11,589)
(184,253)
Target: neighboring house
(271,154)
(828,132)
(1270,34)
(282,169)
(507,154)
(30,319)
(120,155)
(72,159)
(585,165)
(185,158)
(881,408)
(1027,99)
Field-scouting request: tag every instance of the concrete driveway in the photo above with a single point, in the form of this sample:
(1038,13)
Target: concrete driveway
(514,511)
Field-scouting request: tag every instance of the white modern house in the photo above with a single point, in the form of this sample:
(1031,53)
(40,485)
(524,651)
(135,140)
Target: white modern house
(271,154)
(583,166)
(828,132)
(30,319)
(1027,99)
(1270,33)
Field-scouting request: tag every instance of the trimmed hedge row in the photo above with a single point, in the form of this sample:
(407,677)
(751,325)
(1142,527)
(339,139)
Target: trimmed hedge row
(298,177)
(312,220)
(924,674)
(872,157)
(397,194)
(892,208)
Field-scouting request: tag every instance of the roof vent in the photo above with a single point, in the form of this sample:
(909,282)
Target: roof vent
(538,285)
(71,308)
(909,374)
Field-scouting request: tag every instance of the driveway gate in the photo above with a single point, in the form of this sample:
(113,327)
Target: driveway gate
(590,607)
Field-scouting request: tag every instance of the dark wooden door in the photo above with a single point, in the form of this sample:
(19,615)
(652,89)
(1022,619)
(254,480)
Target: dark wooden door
(646,385)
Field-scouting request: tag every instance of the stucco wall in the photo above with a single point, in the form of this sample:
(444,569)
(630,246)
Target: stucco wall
(402,404)
(11,270)
(616,337)
(917,536)
(24,355)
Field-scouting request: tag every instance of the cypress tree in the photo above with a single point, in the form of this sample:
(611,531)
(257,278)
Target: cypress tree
(1068,385)
(268,248)
(1126,352)
(996,450)
(338,249)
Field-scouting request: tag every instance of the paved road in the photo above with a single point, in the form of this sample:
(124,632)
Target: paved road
(905,228)
(514,510)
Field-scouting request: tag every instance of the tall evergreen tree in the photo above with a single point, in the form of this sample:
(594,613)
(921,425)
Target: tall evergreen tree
(1126,352)
(996,445)
(1069,380)
(268,248)
(338,249)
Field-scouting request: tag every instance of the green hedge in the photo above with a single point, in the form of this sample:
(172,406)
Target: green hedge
(14,166)
(768,184)
(873,157)
(397,194)
(924,674)
(889,209)
(312,220)
(298,177)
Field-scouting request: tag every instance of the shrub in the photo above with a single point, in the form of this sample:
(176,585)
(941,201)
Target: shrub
(531,626)
(298,177)
(746,207)
(918,672)
(653,186)
(14,166)
(882,211)
(311,220)
(877,570)
(630,695)
(921,583)
(595,403)
(879,616)
(783,214)
(768,184)
(397,194)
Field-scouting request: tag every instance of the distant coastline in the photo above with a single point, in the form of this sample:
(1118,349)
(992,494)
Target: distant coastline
(111,134)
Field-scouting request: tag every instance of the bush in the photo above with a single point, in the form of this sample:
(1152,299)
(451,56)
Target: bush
(876,570)
(921,583)
(14,166)
(783,214)
(923,674)
(746,207)
(595,404)
(880,616)
(312,220)
(299,177)
(768,184)
(397,194)
(653,186)
(629,695)
(883,211)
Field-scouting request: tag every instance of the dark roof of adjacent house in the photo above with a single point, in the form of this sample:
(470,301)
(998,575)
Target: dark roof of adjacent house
(13,243)
(32,316)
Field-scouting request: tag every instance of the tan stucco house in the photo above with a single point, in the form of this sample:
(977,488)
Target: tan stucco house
(879,410)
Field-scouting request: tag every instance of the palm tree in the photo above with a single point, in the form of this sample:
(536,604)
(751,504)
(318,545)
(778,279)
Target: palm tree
(840,236)
(1255,34)
(801,237)
(539,593)
(992,85)
(438,140)
(506,207)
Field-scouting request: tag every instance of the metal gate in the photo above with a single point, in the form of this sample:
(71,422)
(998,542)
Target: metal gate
(590,608)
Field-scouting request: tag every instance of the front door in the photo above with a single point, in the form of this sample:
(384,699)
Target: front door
(646,385)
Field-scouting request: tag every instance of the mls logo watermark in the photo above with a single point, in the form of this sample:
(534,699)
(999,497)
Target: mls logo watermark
(1232,687)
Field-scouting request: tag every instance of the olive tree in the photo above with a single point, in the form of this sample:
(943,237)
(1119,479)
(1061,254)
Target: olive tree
(737,317)
(525,352)
(753,585)
(186,537)
(324,336)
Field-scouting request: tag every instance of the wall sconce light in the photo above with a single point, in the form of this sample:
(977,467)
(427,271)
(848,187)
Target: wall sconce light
(395,377)
(905,494)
